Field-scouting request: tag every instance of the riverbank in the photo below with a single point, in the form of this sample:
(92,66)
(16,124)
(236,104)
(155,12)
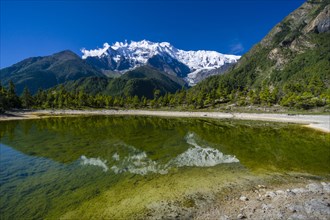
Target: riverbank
(319,122)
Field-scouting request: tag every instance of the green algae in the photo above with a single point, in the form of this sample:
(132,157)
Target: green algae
(42,175)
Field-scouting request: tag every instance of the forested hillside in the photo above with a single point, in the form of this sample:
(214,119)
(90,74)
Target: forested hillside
(290,66)
(142,82)
(46,72)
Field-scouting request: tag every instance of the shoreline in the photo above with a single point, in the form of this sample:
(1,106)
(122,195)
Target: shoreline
(308,199)
(317,122)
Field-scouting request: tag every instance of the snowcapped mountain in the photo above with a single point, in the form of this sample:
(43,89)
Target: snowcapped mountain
(191,65)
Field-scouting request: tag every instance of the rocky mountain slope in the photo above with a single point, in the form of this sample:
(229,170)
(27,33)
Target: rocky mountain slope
(163,56)
(292,62)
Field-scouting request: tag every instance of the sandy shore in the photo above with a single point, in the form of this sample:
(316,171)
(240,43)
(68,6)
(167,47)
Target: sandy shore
(319,122)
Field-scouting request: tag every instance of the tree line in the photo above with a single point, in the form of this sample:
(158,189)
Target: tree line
(302,95)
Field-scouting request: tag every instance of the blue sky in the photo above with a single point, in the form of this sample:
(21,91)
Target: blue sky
(38,28)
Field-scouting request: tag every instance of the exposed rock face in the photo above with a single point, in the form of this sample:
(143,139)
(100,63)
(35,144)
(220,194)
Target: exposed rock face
(294,39)
(321,23)
(276,55)
(324,26)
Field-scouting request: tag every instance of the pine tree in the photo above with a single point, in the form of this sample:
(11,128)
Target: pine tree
(3,98)
(27,99)
(136,101)
(12,98)
(156,93)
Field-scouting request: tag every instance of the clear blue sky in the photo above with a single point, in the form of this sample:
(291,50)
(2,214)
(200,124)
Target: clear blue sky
(38,28)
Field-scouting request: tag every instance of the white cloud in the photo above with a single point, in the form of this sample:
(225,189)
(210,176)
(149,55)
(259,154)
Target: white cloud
(236,48)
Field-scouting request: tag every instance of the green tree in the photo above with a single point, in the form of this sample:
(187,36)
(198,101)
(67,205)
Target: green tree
(108,101)
(156,94)
(315,85)
(12,98)
(82,99)
(3,98)
(136,101)
(265,95)
(27,99)
(144,101)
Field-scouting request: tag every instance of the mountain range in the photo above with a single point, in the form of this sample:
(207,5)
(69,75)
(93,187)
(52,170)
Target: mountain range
(115,61)
(163,56)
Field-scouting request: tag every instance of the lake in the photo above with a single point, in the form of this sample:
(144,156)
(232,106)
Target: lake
(128,166)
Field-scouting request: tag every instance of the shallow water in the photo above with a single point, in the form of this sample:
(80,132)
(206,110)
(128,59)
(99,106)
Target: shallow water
(118,166)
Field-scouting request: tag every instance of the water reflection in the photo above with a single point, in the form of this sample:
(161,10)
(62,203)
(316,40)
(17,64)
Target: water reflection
(137,161)
(159,143)
(94,162)
(201,156)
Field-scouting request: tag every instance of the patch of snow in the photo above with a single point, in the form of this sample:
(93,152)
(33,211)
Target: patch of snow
(95,53)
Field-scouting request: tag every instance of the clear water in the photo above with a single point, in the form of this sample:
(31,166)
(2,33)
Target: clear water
(114,167)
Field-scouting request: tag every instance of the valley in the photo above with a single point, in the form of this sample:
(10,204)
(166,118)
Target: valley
(289,67)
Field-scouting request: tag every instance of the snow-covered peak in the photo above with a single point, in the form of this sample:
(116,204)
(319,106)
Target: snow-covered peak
(95,53)
(203,59)
(141,51)
(117,45)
